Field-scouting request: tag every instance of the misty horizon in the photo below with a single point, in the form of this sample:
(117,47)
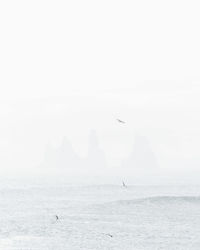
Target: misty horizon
(171,127)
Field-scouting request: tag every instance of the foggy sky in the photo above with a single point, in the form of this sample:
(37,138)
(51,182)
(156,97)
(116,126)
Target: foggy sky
(71,66)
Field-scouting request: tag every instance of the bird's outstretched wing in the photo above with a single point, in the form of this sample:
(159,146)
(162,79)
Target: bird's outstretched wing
(120,121)
(110,235)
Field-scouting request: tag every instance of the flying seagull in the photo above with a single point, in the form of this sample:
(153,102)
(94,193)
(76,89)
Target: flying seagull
(123,184)
(110,235)
(120,121)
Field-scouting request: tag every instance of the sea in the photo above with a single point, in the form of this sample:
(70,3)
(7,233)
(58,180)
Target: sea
(65,216)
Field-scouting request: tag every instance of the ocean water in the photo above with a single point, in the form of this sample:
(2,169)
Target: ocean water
(100,217)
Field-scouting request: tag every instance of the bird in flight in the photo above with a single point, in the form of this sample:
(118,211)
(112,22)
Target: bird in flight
(120,121)
(110,235)
(123,184)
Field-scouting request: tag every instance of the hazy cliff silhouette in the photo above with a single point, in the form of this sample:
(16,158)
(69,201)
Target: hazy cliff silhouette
(142,155)
(62,157)
(96,157)
(65,156)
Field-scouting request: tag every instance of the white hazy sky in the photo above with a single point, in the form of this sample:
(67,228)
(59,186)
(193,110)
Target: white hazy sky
(69,66)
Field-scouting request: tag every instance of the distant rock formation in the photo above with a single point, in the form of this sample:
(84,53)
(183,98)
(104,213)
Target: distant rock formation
(65,157)
(62,157)
(96,157)
(142,156)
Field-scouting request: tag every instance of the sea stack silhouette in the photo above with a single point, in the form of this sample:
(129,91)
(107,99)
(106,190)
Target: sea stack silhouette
(65,157)
(142,156)
(62,157)
(96,156)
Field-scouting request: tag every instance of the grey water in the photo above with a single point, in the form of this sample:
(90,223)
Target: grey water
(98,216)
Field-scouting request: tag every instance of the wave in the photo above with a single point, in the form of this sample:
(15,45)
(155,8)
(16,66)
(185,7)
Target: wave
(158,200)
